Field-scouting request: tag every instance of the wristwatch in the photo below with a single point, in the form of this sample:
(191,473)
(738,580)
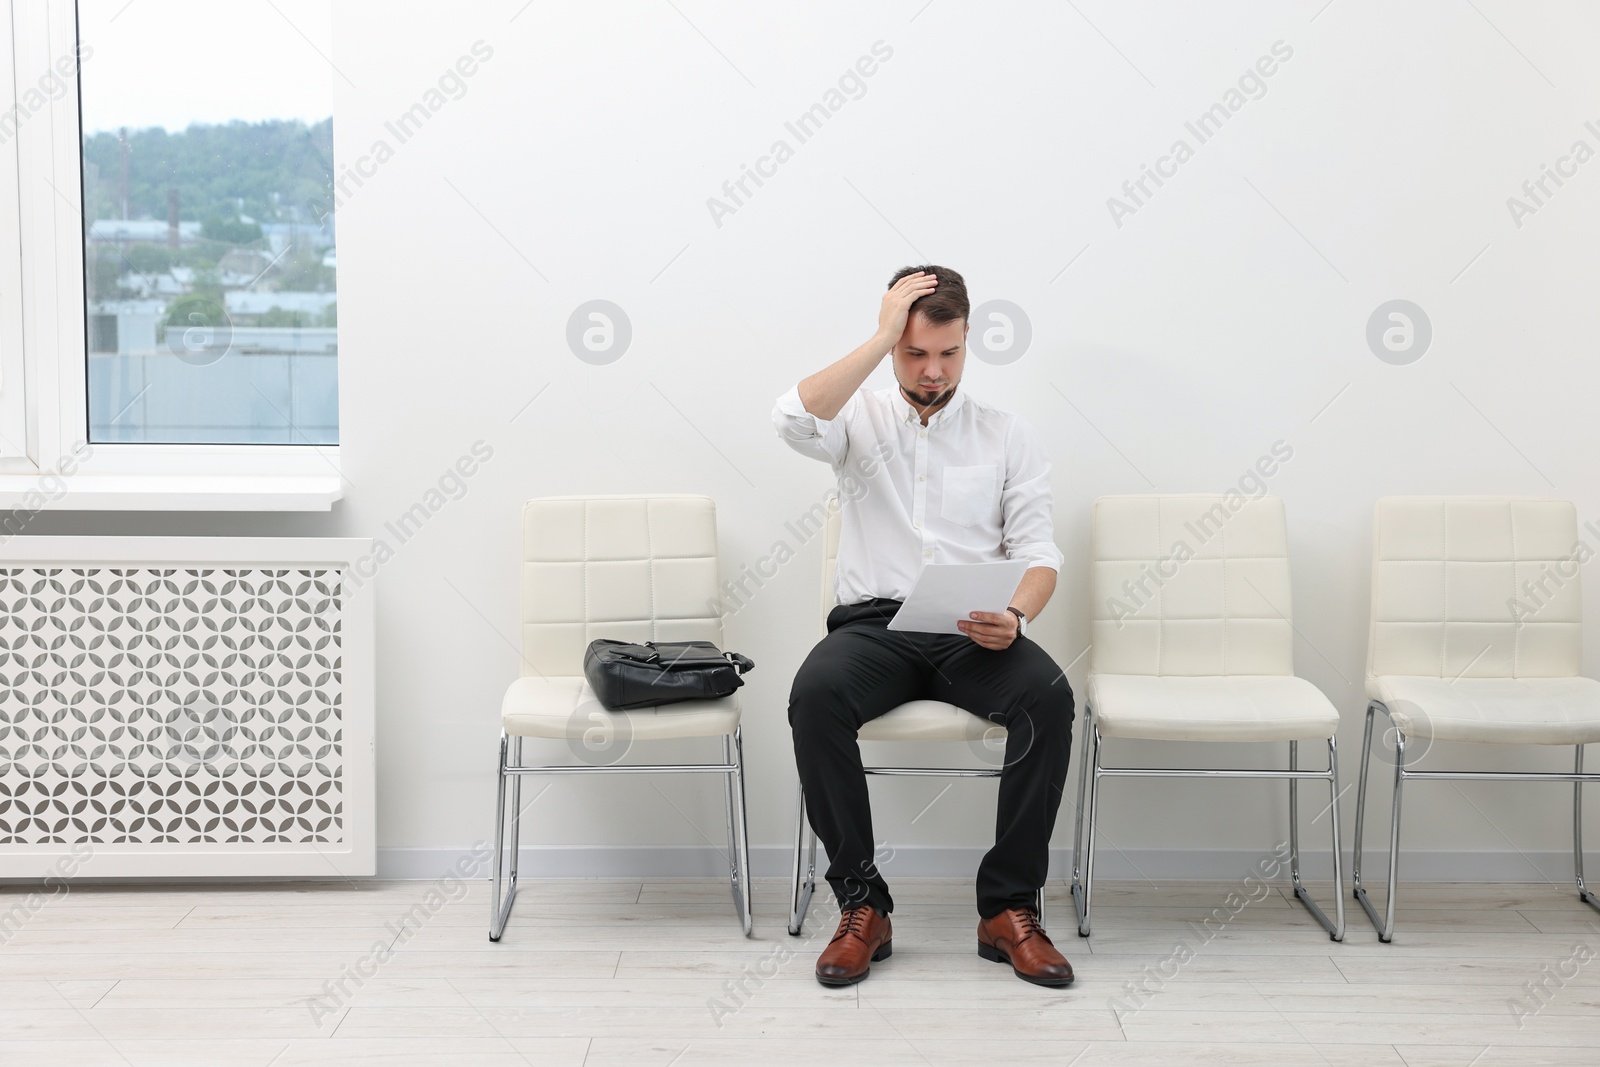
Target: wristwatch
(1022,621)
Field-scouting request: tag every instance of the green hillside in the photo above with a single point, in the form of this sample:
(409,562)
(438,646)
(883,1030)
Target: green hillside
(278,168)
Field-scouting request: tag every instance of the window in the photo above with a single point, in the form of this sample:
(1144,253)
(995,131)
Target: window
(209,256)
(168,296)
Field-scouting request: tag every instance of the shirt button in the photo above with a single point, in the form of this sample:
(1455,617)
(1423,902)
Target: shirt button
(922,477)
(922,433)
(917,523)
(928,554)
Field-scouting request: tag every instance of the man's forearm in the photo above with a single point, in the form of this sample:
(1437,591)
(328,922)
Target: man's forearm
(824,393)
(1038,583)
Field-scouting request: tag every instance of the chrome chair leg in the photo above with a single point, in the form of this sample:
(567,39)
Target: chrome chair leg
(515,855)
(1088,844)
(1337,933)
(498,912)
(727,818)
(805,873)
(1077,829)
(1386,928)
(1334,927)
(727,813)
(1361,817)
(1294,819)
(743,890)
(1577,832)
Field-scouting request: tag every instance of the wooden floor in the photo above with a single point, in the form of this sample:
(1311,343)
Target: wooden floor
(656,973)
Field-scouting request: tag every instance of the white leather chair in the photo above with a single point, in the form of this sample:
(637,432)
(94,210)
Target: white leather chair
(634,568)
(1192,641)
(1476,635)
(915,720)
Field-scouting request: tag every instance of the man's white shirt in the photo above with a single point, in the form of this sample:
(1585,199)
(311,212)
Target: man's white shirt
(972,486)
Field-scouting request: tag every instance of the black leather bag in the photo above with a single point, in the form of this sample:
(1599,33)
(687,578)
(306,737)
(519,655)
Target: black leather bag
(625,675)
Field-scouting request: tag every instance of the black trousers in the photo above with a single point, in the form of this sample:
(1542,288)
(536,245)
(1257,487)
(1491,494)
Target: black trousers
(862,670)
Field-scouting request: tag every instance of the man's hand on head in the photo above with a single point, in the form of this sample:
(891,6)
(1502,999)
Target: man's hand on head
(896,306)
(991,629)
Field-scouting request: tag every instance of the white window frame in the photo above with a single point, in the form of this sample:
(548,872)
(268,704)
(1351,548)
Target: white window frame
(41,284)
(14,424)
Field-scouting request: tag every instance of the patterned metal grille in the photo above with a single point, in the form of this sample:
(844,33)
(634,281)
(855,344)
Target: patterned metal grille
(170,704)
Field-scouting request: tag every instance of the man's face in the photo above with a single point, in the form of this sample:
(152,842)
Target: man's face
(928,359)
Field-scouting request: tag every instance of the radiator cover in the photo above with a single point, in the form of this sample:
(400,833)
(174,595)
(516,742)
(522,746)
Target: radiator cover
(186,706)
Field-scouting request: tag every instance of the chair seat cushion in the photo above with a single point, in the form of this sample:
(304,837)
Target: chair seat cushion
(1228,707)
(1518,711)
(928,720)
(566,707)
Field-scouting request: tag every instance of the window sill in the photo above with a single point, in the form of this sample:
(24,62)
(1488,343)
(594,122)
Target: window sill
(172,492)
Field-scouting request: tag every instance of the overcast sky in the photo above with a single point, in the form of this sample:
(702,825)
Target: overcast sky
(173,62)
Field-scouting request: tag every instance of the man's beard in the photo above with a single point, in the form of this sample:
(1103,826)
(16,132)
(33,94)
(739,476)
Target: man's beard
(928,400)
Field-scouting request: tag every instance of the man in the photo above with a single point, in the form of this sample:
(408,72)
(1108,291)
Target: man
(959,482)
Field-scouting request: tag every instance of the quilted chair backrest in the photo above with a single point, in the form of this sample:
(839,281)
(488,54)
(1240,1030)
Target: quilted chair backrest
(830,560)
(635,568)
(1475,587)
(1190,584)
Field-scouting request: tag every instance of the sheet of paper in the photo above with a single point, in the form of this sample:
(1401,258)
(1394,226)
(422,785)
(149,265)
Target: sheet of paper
(948,592)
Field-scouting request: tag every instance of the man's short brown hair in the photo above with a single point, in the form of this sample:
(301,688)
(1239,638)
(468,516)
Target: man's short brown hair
(946,303)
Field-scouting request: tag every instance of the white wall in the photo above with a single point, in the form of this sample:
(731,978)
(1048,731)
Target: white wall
(1227,313)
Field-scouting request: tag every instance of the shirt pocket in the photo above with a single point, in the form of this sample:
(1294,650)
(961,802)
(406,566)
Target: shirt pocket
(971,494)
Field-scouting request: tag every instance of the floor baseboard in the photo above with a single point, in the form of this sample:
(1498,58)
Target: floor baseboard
(771,861)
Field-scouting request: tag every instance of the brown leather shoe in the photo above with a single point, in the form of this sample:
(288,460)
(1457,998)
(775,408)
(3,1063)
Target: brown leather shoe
(1015,937)
(863,938)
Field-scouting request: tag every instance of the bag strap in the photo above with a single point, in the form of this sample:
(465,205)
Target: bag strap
(741,663)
